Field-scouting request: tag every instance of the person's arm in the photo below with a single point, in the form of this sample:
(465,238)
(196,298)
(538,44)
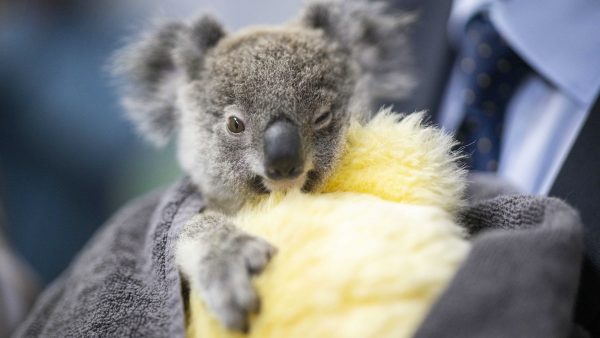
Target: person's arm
(18,285)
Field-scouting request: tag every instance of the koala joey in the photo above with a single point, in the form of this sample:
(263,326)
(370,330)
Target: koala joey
(261,110)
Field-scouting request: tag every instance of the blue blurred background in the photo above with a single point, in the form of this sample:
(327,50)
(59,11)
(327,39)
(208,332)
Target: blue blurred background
(68,159)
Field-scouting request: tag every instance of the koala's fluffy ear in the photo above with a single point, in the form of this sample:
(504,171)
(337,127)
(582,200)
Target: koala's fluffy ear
(154,65)
(376,38)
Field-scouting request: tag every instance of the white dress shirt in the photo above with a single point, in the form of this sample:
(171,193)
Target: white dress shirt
(560,41)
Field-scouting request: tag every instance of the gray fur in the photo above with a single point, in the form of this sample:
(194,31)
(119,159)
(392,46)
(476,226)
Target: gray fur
(258,75)
(376,38)
(219,260)
(189,78)
(155,65)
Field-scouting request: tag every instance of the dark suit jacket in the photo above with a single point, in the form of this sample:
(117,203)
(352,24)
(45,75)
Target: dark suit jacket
(431,53)
(579,179)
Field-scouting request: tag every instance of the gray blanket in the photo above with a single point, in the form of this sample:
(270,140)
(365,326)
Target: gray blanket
(519,280)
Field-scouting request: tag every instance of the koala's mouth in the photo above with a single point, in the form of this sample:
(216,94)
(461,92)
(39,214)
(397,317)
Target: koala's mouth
(306,182)
(284,184)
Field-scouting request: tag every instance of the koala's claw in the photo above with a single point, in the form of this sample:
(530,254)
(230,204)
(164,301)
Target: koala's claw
(257,254)
(227,281)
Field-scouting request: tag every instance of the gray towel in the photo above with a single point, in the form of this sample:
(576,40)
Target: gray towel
(125,282)
(519,280)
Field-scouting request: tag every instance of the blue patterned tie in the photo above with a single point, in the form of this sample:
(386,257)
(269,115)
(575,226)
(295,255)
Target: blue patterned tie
(491,71)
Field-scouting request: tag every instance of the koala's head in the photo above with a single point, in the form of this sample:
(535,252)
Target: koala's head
(266,108)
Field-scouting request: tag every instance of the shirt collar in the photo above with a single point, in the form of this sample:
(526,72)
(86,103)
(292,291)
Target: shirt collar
(559,39)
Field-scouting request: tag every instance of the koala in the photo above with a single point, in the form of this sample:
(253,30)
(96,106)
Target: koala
(261,110)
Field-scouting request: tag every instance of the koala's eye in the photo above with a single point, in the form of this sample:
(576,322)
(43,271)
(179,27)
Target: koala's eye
(235,125)
(323,119)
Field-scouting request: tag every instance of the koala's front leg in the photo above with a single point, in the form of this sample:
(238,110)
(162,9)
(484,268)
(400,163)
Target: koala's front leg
(218,259)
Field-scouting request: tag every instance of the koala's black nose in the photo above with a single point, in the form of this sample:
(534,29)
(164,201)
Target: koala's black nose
(284,156)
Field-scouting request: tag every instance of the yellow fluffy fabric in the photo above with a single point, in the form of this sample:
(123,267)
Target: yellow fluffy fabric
(400,161)
(369,253)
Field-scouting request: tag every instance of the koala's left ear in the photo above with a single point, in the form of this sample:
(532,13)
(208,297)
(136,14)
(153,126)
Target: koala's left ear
(153,65)
(203,35)
(376,38)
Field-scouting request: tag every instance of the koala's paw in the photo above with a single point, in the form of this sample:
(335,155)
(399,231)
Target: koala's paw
(225,279)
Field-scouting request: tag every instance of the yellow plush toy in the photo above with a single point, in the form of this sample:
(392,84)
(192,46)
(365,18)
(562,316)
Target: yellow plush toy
(369,253)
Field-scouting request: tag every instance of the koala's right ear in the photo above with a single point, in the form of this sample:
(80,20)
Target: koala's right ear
(154,65)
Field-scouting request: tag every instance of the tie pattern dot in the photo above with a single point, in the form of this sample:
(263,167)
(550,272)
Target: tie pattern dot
(491,73)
